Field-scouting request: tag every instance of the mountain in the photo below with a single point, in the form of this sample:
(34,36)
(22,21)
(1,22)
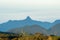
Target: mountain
(30,29)
(55,29)
(20,23)
(11,24)
(6,33)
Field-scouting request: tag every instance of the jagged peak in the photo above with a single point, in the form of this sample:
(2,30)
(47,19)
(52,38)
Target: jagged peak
(28,18)
(57,20)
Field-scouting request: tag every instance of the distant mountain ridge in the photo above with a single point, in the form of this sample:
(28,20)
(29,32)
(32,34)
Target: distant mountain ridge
(28,21)
(55,29)
(30,29)
(38,29)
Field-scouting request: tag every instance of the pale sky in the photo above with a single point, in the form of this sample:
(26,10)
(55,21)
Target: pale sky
(41,10)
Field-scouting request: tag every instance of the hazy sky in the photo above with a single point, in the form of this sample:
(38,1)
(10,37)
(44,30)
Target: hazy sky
(41,10)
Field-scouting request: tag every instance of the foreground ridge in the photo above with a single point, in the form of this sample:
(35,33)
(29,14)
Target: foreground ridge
(26,36)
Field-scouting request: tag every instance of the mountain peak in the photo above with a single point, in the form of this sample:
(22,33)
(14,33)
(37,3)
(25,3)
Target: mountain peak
(28,18)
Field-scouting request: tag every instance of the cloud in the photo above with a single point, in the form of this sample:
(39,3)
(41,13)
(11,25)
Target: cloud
(44,10)
(49,16)
(18,3)
(28,5)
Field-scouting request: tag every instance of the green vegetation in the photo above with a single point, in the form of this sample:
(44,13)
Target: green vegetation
(25,36)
